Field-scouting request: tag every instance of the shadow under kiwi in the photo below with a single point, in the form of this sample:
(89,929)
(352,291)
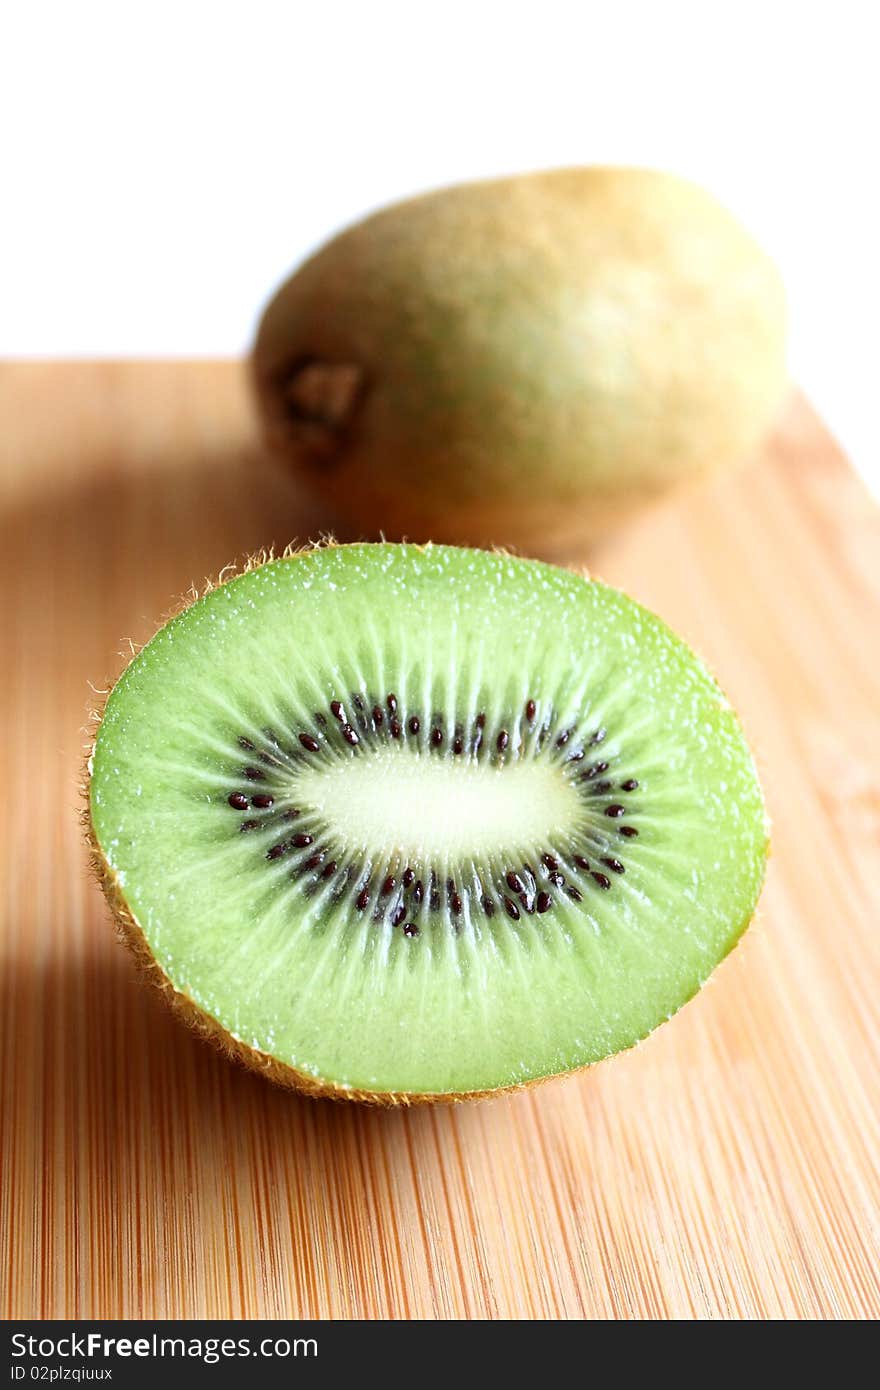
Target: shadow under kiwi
(145,1127)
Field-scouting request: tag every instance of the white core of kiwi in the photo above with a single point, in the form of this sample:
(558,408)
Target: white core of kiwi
(401,802)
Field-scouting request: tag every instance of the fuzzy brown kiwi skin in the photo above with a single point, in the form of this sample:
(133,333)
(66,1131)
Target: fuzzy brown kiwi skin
(622,336)
(131,933)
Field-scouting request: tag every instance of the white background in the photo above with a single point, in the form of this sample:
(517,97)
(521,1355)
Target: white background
(164,165)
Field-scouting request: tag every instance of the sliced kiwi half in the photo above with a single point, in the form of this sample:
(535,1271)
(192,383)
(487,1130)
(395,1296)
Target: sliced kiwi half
(401,823)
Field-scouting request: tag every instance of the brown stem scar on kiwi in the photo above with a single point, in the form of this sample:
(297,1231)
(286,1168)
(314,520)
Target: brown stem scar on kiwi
(350,811)
(320,400)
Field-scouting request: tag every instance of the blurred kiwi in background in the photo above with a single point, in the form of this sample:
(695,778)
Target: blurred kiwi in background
(524,361)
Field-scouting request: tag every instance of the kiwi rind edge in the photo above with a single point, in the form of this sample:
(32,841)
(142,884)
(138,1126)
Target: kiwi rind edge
(132,935)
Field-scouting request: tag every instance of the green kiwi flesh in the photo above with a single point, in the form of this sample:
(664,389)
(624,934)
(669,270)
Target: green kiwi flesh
(405,823)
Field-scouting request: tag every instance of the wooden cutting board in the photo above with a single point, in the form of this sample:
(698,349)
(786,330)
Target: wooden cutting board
(725,1168)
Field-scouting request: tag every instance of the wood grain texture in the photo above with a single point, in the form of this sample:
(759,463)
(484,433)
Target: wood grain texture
(725,1168)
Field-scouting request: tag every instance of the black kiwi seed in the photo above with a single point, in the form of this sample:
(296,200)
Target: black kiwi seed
(576,756)
(457,744)
(408,876)
(413,724)
(549,862)
(602,881)
(315,859)
(349,735)
(292,813)
(389,885)
(488,907)
(511,909)
(527,902)
(436,737)
(531,710)
(563,738)
(276,851)
(410,929)
(630,785)
(514,882)
(245,743)
(238,801)
(480,720)
(614,811)
(358,702)
(628,830)
(434,900)
(395,728)
(601,788)
(329,869)
(456,904)
(362,898)
(254,774)
(544,902)
(581,862)
(599,736)
(301,840)
(615,865)
(502,740)
(398,915)
(309,742)
(262,801)
(249,825)
(594,771)
(557,879)
(378,714)
(574,893)
(391,702)
(337,709)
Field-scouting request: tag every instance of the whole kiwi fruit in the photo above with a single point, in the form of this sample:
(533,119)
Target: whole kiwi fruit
(400,824)
(523,361)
